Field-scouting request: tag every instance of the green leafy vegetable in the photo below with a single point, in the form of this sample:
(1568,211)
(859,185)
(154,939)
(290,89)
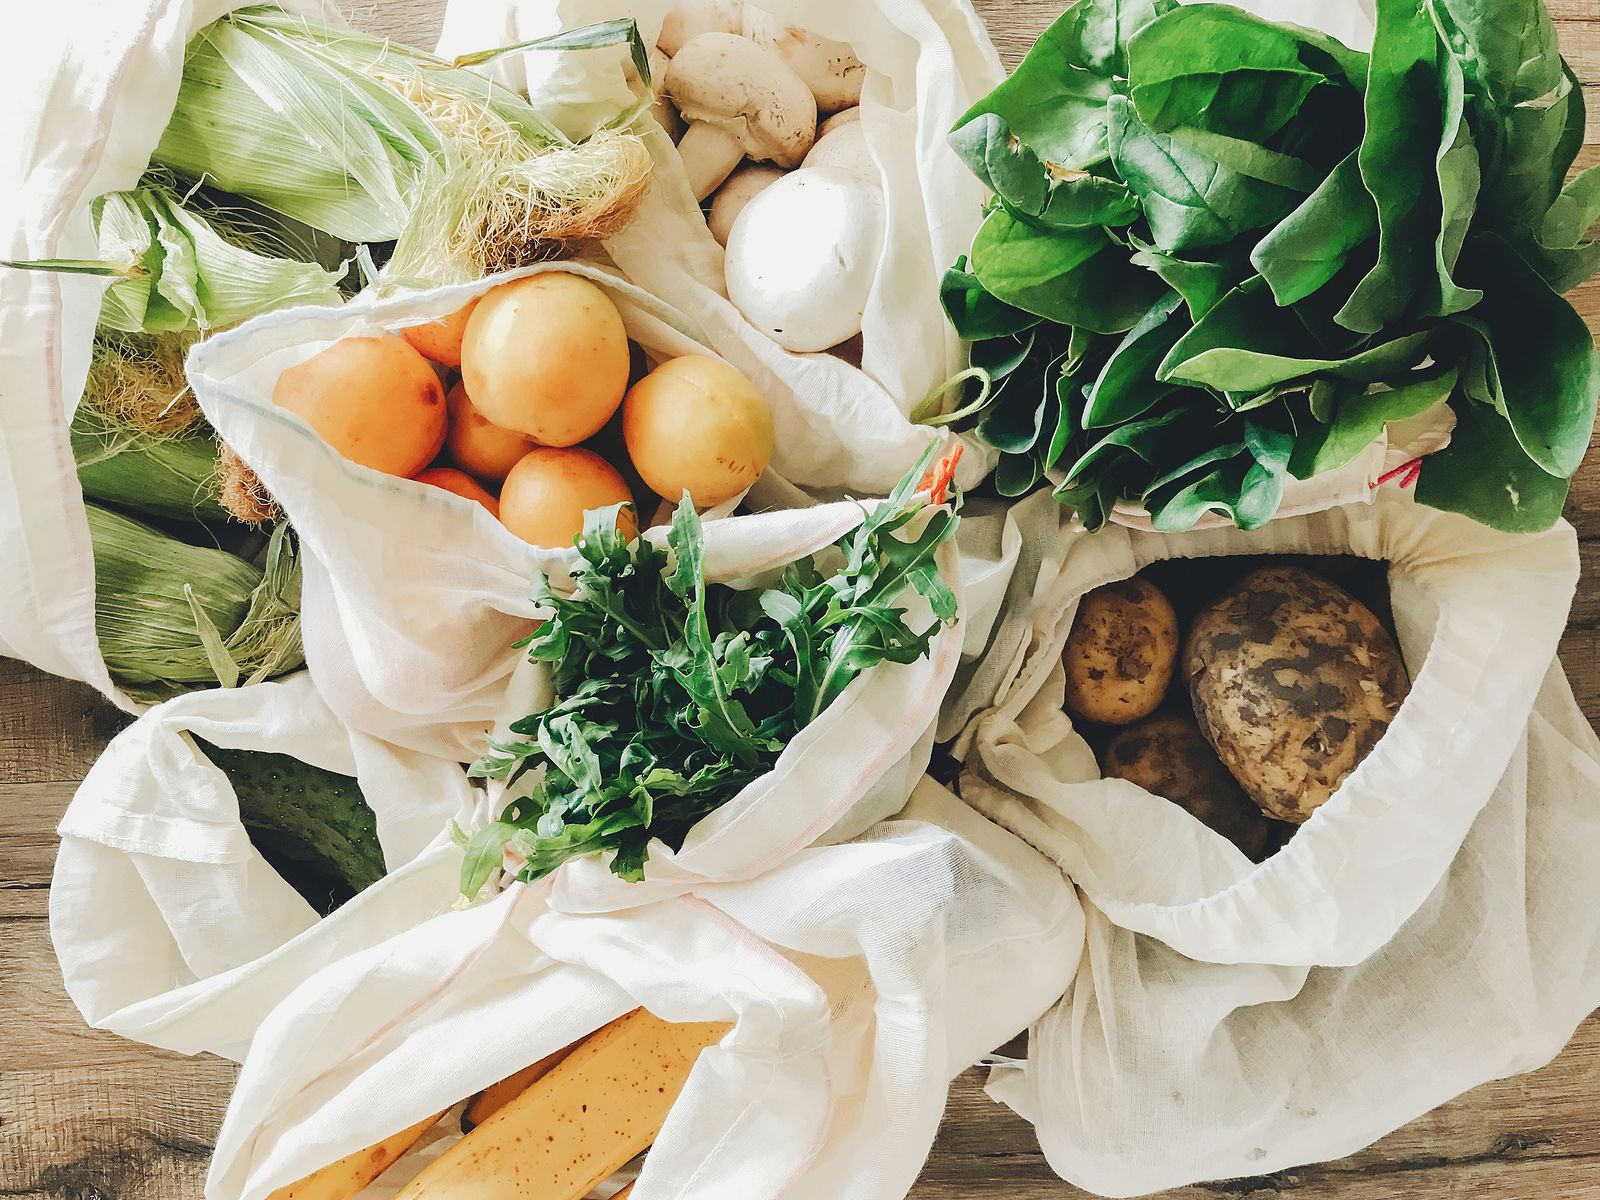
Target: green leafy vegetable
(1225,252)
(673,693)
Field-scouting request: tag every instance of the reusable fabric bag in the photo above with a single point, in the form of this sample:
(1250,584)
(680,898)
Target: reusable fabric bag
(861,977)
(414,598)
(1433,925)
(92,87)
(840,428)
(170,927)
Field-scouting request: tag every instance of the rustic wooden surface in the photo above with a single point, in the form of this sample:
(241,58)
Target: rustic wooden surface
(88,1116)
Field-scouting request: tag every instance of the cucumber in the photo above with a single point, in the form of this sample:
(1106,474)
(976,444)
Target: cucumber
(313,827)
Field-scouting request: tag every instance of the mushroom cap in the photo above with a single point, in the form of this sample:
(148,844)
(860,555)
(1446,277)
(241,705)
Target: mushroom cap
(838,120)
(803,255)
(830,69)
(743,186)
(846,147)
(691,18)
(729,81)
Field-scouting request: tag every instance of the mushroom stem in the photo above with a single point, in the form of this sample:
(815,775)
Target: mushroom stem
(709,153)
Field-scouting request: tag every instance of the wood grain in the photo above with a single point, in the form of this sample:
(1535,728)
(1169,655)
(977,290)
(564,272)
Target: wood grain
(85,1115)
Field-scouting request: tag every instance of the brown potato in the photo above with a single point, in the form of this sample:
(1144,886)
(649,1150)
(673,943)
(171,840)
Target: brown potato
(1293,682)
(1167,757)
(1121,653)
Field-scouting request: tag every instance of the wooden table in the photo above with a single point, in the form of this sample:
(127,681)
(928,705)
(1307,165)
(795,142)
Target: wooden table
(87,1116)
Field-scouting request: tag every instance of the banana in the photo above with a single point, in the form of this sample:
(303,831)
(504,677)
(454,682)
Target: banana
(342,1179)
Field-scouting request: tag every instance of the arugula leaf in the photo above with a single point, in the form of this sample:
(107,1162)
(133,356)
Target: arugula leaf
(673,693)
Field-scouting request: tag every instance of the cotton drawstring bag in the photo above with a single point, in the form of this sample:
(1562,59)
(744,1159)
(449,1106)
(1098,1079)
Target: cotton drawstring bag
(860,978)
(414,598)
(92,88)
(840,427)
(1230,1018)
(170,926)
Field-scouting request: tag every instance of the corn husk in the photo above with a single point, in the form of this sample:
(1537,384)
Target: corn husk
(137,435)
(373,142)
(189,275)
(171,616)
(160,476)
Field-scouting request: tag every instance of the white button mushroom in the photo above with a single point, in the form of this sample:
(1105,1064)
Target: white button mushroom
(690,19)
(846,148)
(728,81)
(802,257)
(838,120)
(830,69)
(709,153)
(661,109)
(743,186)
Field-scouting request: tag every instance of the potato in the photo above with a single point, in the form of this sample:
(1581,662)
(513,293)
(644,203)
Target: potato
(697,424)
(478,447)
(547,493)
(459,482)
(373,399)
(1293,682)
(440,340)
(546,356)
(1167,757)
(1121,653)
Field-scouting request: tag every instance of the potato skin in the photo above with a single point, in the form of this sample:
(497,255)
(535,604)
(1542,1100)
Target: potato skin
(1293,682)
(1121,653)
(1167,756)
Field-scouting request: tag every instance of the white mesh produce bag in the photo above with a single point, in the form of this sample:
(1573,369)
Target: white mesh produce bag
(93,87)
(1427,929)
(170,927)
(414,598)
(861,978)
(839,427)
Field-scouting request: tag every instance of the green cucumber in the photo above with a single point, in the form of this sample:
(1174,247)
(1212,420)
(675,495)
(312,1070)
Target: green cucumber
(313,827)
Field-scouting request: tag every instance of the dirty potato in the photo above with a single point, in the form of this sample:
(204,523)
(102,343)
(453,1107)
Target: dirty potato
(1121,653)
(1293,682)
(1167,757)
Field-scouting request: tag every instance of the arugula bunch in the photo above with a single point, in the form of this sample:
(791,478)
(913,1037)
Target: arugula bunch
(1223,252)
(673,693)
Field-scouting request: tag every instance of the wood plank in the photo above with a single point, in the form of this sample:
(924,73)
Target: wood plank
(29,814)
(134,1132)
(53,728)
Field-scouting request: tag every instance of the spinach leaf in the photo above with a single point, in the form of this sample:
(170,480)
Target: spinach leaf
(1074,277)
(1397,166)
(1564,254)
(1191,201)
(1126,386)
(1218,68)
(1201,283)
(1544,357)
(1310,246)
(1358,418)
(1247,344)
(1484,474)
(975,313)
(1055,100)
